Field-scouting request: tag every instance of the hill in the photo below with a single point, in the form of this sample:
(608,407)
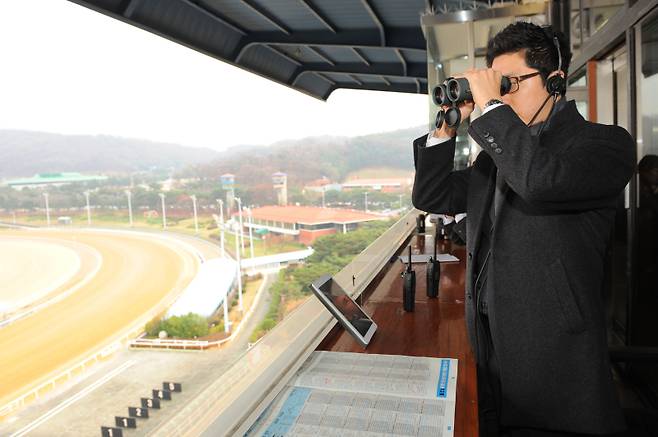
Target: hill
(310,158)
(24,153)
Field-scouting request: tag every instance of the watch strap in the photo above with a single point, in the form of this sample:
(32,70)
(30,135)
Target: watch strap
(493,102)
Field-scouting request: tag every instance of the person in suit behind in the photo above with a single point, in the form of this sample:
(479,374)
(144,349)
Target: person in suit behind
(540,200)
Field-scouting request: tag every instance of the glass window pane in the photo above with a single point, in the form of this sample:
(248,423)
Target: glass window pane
(648,167)
(596,13)
(644,324)
(576,34)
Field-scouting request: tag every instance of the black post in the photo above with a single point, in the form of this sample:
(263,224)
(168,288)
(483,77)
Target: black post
(559,14)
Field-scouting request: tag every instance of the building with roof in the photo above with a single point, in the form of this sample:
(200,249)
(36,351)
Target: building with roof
(280,184)
(227,181)
(306,223)
(323,184)
(41,180)
(385,185)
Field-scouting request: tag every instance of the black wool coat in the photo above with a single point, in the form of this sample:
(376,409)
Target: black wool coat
(545,312)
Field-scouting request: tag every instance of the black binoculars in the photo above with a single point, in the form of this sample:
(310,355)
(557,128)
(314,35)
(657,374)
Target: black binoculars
(454,91)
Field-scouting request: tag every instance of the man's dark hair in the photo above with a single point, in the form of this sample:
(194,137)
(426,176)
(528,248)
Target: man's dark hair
(540,50)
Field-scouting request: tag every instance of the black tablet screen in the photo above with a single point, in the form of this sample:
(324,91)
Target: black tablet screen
(346,305)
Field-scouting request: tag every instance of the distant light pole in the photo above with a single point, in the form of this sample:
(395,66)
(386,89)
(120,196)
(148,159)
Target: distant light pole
(366,202)
(323,197)
(227,321)
(237,253)
(45,196)
(221,225)
(130,207)
(196,222)
(164,212)
(241,224)
(251,239)
(88,208)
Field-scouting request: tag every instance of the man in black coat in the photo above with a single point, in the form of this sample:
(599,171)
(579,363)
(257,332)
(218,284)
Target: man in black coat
(540,200)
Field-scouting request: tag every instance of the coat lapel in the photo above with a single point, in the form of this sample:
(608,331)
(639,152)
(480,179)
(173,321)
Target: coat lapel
(482,199)
(504,188)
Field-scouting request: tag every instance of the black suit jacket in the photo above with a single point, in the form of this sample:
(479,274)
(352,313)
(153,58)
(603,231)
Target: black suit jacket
(546,314)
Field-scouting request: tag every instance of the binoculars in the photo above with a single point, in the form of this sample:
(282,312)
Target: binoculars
(454,91)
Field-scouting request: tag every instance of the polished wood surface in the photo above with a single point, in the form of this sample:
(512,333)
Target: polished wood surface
(435,329)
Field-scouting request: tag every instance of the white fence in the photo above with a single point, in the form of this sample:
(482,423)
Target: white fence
(175,344)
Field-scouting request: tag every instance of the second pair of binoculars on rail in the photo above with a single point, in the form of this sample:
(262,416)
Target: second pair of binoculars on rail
(454,91)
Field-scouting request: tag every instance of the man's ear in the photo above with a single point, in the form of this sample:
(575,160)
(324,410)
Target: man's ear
(557,72)
(556,82)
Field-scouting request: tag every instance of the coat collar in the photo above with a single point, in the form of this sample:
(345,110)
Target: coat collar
(558,106)
(563,124)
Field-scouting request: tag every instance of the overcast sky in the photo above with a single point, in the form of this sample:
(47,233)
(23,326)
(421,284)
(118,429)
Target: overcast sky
(68,69)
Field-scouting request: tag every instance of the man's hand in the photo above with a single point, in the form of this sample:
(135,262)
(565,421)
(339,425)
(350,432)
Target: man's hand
(466,108)
(485,85)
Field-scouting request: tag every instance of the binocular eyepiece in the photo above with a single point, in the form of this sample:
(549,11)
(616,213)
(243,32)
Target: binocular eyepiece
(453,92)
(440,95)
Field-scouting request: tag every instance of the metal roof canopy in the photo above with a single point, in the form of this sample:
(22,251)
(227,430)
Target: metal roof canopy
(312,46)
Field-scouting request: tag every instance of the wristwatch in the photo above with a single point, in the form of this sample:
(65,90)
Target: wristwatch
(493,102)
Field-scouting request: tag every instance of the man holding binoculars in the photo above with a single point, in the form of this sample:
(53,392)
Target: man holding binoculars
(540,200)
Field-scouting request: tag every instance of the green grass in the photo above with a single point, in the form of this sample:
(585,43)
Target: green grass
(207,229)
(272,316)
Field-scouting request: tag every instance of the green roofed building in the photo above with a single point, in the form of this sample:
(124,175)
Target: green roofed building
(52,179)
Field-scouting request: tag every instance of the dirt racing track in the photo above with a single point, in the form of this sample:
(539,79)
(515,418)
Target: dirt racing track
(67,295)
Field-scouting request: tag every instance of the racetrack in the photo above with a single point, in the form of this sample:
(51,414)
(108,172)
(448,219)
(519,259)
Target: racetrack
(138,275)
(31,269)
